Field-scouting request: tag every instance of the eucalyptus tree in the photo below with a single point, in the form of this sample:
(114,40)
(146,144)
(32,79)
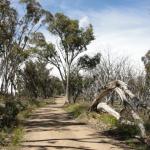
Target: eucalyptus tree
(8,19)
(72,41)
(35,80)
(15,35)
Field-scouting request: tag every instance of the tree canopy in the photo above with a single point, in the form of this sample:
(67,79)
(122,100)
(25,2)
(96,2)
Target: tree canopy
(72,41)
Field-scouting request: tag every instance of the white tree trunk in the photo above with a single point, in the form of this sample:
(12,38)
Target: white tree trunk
(122,90)
(67,100)
(139,123)
(108,109)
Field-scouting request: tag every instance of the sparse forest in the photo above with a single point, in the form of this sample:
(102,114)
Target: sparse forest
(107,90)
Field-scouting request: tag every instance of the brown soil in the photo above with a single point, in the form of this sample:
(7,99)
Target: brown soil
(51,128)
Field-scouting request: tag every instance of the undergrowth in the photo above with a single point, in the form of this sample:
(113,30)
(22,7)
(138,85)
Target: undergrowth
(108,125)
(11,136)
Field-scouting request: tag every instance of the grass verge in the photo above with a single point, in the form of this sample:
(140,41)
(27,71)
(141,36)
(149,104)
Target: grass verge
(108,125)
(10,138)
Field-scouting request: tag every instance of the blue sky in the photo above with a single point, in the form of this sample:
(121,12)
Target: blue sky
(120,26)
(85,5)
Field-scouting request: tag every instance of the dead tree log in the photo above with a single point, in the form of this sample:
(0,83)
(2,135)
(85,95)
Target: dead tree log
(108,109)
(114,113)
(122,90)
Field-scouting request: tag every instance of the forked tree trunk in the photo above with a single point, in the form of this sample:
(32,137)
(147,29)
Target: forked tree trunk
(122,90)
(114,113)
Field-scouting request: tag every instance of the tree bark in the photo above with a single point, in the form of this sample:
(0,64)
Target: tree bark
(114,113)
(139,123)
(108,109)
(122,90)
(67,100)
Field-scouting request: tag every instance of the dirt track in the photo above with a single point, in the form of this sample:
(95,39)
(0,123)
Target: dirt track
(51,128)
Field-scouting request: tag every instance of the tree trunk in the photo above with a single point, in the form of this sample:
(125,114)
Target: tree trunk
(109,110)
(123,91)
(63,81)
(139,122)
(67,100)
(136,117)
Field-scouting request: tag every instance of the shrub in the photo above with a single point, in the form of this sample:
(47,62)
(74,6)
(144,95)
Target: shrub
(9,113)
(127,131)
(17,136)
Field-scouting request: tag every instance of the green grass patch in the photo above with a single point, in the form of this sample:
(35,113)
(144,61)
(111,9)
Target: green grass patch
(17,136)
(108,119)
(10,137)
(77,109)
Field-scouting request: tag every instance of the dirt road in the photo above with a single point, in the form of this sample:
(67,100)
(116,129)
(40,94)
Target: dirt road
(51,128)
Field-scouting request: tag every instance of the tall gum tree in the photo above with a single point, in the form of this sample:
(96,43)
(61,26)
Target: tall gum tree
(72,41)
(15,34)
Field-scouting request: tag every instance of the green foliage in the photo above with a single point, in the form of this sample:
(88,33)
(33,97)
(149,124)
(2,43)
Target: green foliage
(73,41)
(85,62)
(35,81)
(75,88)
(15,36)
(9,114)
(72,37)
(17,136)
(127,131)
(11,131)
(8,22)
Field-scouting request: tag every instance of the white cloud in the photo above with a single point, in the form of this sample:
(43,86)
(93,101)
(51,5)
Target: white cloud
(126,33)
(123,31)
(84,22)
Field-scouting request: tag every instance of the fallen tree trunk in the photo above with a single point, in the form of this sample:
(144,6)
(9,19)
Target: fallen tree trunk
(109,110)
(98,99)
(122,90)
(139,123)
(113,112)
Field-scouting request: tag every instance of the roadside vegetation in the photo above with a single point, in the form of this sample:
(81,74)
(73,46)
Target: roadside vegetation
(12,127)
(107,125)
